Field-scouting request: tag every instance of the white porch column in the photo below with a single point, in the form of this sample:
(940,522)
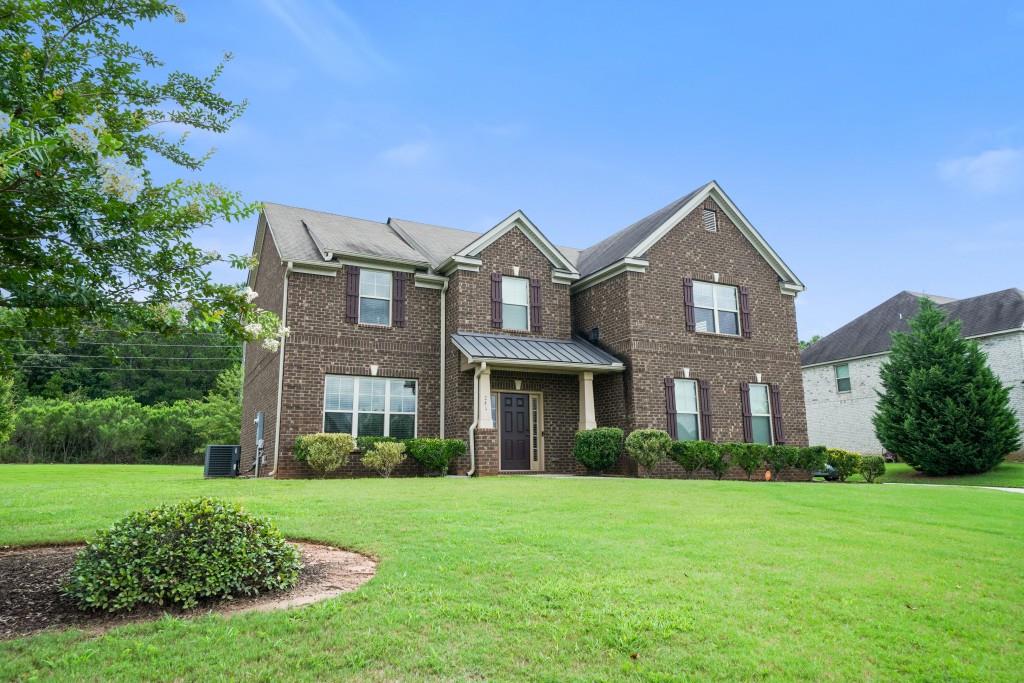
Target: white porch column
(484,420)
(588,420)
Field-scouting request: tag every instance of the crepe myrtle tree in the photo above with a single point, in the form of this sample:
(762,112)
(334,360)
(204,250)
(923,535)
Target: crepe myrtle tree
(88,237)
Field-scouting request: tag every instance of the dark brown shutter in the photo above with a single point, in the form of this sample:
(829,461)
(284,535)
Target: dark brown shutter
(535,309)
(670,408)
(745,313)
(691,323)
(706,433)
(748,424)
(780,434)
(352,294)
(398,281)
(496,300)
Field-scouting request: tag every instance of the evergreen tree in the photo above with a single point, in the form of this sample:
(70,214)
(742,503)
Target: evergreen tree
(942,409)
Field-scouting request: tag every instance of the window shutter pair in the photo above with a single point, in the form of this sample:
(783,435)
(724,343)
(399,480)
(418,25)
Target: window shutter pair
(496,300)
(535,310)
(745,326)
(352,294)
(536,317)
(704,397)
(748,423)
(398,281)
(691,323)
(776,399)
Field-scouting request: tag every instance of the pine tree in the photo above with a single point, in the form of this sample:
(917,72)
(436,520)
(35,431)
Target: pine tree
(942,409)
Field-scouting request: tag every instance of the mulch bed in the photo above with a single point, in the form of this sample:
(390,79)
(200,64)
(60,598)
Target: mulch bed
(31,599)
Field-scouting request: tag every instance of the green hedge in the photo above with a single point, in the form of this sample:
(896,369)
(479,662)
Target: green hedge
(648,447)
(693,455)
(435,454)
(598,449)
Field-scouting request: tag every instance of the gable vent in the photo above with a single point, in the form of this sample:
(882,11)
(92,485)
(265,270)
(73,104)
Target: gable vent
(710,220)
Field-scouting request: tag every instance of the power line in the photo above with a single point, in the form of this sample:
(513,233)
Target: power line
(193,346)
(64,367)
(78,355)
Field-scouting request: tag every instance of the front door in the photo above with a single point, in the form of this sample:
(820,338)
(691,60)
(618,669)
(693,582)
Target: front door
(515,431)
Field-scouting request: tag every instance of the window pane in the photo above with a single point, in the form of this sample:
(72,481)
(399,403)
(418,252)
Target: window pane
(759,399)
(705,319)
(514,317)
(338,394)
(843,383)
(686,427)
(371,396)
(403,396)
(842,371)
(726,298)
(686,396)
(515,290)
(403,426)
(371,424)
(703,295)
(376,283)
(374,311)
(494,409)
(338,422)
(728,323)
(762,429)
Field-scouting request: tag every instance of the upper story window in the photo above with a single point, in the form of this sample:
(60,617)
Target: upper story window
(370,406)
(760,414)
(687,410)
(374,297)
(716,308)
(843,378)
(515,303)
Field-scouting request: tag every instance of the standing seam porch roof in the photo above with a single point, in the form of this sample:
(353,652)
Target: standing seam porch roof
(505,347)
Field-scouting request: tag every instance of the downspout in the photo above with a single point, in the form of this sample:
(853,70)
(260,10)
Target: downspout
(476,418)
(444,291)
(280,369)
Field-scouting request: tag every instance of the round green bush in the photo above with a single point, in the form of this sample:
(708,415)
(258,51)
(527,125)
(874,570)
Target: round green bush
(779,458)
(384,457)
(871,467)
(324,453)
(435,454)
(648,447)
(203,549)
(598,449)
(749,457)
(692,455)
(845,462)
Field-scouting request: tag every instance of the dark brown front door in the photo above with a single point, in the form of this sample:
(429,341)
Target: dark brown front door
(515,431)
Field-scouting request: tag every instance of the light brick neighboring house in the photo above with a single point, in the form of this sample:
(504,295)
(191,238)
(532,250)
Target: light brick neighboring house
(841,371)
(682,321)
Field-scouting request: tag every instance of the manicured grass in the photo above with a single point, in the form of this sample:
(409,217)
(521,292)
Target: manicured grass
(1005,474)
(572,579)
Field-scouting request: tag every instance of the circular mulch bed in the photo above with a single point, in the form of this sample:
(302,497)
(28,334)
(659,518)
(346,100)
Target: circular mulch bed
(31,599)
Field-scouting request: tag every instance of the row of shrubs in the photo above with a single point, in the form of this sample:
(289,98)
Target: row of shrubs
(325,453)
(599,449)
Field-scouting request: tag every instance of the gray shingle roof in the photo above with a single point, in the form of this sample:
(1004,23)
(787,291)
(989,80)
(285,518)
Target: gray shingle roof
(505,347)
(435,242)
(870,333)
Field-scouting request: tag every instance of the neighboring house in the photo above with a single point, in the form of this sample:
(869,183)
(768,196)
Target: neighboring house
(841,371)
(682,321)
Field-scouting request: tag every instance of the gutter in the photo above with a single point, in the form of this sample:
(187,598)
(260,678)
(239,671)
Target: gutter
(444,292)
(472,427)
(280,369)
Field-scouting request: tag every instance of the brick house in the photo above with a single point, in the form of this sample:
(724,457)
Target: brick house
(842,370)
(682,321)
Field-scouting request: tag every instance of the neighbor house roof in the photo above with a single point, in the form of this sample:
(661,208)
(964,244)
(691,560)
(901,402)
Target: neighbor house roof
(506,349)
(870,333)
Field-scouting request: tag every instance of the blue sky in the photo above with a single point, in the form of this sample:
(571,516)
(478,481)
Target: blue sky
(878,147)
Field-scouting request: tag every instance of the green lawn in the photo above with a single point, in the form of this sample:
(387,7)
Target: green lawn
(1006,474)
(572,579)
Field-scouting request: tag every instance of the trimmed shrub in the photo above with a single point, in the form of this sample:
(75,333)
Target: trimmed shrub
(648,447)
(871,467)
(812,458)
(324,453)
(384,457)
(365,443)
(778,458)
(845,462)
(435,454)
(202,549)
(692,455)
(749,457)
(717,461)
(598,449)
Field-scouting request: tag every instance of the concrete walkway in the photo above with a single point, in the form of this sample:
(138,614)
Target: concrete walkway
(1008,489)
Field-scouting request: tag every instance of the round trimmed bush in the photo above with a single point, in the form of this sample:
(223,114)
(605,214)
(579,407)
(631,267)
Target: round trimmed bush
(844,462)
(598,449)
(648,447)
(871,467)
(749,457)
(384,457)
(435,454)
(692,455)
(203,549)
(324,453)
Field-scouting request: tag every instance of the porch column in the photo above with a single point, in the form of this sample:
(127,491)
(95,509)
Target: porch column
(587,416)
(484,420)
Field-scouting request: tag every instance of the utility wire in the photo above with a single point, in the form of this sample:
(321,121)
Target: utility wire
(64,367)
(77,355)
(116,343)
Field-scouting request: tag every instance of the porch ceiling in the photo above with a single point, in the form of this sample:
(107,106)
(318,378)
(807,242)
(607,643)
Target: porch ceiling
(574,354)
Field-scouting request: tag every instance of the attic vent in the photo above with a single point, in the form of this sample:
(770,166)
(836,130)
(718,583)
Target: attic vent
(710,220)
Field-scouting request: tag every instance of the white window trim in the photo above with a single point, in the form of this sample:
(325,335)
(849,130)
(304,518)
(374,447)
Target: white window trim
(387,404)
(527,281)
(715,308)
(391,294)
(771,422)
(696,403)
(835,374)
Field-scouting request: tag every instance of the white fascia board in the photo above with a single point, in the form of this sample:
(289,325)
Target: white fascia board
(429,281)
(714,191)
(560,277)
(532,232)
(626,265)
(318,270)
(382,263)
(457,262)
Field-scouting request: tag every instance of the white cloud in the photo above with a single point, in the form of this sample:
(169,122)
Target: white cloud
(991,171)
(331,36)
(409,154)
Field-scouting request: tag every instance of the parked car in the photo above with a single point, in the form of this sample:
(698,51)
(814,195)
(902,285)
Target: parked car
(828,473)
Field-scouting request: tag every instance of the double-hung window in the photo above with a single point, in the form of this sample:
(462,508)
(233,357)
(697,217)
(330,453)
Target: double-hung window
(843,378)
(374,297)
(760,414)
(716,308)
(687,410)
(370,406)
(515,303)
